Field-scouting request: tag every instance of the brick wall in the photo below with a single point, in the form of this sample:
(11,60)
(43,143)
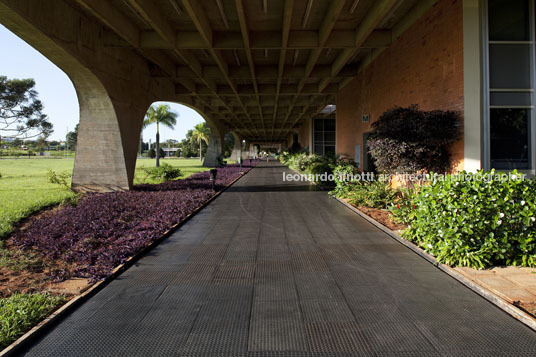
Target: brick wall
(424,66)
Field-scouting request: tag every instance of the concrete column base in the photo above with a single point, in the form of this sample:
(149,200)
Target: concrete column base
(215,148)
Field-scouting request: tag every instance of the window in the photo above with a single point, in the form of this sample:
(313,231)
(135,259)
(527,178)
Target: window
(509,85)
(324,136)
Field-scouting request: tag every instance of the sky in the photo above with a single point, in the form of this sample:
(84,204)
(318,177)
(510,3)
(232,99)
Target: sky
(56,91)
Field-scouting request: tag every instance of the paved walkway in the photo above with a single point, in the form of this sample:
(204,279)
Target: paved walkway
(279,269)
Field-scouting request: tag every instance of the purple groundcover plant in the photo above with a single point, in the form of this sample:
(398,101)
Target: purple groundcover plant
(104,229)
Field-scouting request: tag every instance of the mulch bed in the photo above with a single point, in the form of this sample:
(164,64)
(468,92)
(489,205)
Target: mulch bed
(382,216)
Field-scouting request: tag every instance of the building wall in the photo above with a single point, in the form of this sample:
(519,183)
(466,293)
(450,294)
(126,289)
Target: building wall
(424,66)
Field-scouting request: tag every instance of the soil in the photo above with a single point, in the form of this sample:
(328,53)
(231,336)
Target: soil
(37,277)
(382,216)
(528,307)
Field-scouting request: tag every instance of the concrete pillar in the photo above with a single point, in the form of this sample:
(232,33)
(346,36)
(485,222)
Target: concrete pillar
(215,147)
(237,148)
(106,151)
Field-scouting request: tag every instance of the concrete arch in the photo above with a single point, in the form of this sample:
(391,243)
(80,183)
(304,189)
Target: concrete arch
(215,141)
(111,99)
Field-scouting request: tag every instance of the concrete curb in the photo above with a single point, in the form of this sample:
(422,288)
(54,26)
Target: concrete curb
(49,322)
(510,309)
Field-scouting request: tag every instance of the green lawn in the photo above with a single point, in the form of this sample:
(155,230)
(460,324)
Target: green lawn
(187,166)
(24,188)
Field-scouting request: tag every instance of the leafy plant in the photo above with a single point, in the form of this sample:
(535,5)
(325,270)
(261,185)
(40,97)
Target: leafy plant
(472,222)
(403,209)
(311,164)
(164,172)
(104,229)
(374,194)
(342,173)
(411,140)
(20,312)
(61,178)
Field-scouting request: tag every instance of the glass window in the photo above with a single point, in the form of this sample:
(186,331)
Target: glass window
(510,98)
(509,66)
(324,136)
(510,85)
(329,136)
(509,130)
(329,150)
(509,20)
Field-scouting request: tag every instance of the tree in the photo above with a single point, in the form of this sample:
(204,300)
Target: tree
(41,143)
(161,114)
(20,111)
(72,138)
(200,133)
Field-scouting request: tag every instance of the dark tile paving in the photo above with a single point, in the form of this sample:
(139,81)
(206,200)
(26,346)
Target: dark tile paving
(273,268)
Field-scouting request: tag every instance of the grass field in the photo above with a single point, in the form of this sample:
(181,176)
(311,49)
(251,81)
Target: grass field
(24,188)
(188,167)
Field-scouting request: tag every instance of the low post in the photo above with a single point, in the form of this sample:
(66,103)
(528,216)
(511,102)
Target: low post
(213,174)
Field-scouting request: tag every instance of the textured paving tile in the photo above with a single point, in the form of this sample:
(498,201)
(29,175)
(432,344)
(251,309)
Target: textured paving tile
(273,269)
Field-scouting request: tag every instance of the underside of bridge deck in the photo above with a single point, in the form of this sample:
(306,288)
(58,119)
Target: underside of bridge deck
(255,68)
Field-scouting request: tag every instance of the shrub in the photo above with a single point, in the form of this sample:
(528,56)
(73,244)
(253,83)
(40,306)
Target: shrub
(374,194)
(411,140)
(61,178)
(151,153)
(20,312)
(403,209)
(310,164)
(473,222)
(341,172)
(165,172)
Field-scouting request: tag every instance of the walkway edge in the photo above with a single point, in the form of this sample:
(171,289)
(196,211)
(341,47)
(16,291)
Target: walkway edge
(72,304)
(510,309)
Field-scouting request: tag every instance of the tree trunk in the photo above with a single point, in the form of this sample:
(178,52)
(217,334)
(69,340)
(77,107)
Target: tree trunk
(157,146)
(200,151)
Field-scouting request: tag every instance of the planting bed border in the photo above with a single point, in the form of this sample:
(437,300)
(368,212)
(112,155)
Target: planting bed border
(49,322)
(507,307)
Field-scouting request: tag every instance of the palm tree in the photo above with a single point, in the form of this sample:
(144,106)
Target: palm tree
(160,114)
(200,133)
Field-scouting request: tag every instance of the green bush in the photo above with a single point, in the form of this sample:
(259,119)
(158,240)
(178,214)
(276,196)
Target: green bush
(20,312)
(403,208)
(311,164)
(342,172)
(474,223)
(151,153)
(61,178)
(374,194)
(165,172)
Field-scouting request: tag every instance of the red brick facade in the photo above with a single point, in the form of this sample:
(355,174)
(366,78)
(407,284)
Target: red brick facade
(424,66)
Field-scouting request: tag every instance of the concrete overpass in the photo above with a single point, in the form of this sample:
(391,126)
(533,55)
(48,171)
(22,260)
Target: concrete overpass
(256,68)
